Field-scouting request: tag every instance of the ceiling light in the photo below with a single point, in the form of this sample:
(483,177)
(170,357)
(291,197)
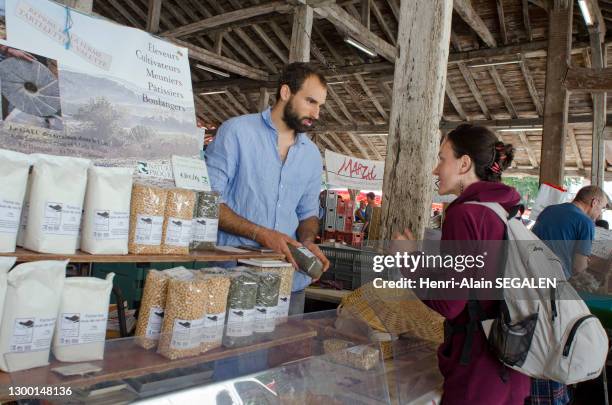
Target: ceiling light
(495,63)
(335,82)
(211,70)
(586,13)
(208,93)
(518,129)
(359,46)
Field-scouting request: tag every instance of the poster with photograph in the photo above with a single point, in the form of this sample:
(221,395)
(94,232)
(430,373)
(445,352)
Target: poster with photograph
(77,85)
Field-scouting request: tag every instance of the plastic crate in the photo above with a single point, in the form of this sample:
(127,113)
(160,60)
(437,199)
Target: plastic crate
(351,267)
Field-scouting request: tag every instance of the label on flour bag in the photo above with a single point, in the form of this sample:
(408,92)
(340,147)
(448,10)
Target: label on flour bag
(76,328)
(31,334)
(61,219)
(149,229)
(10,214)
(109,225)
(240,322)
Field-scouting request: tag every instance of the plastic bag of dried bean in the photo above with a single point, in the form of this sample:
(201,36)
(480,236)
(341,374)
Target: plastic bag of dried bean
(176,234)
(205,221)
(241,302)
(148,205)
(266,307)
(217,289)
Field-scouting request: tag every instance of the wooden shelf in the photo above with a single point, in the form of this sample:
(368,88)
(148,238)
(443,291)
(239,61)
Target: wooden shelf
(124,359)
(24,255)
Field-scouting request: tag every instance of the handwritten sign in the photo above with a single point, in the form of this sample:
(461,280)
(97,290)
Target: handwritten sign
(190,173)
(352,172)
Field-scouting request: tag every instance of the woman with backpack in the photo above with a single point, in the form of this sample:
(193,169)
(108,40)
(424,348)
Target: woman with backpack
(471,162)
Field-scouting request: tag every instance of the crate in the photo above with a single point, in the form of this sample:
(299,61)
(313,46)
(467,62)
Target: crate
(351,267)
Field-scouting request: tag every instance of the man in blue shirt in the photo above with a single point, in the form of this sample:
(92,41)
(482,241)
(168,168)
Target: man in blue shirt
(568,230)
(268,173)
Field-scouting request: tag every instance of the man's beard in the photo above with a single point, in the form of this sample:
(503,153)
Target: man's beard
(293,121)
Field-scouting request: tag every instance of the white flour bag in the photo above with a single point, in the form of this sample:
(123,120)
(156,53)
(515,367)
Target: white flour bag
(31,305)
(23,221)
(5,265)
(106,219)
(56,204)
(14,169)
(81,324)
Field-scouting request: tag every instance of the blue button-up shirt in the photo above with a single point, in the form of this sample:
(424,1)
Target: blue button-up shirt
(244,166)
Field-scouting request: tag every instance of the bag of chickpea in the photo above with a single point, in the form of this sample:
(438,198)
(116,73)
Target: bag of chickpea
(176,234)
(146,219)
(217,290)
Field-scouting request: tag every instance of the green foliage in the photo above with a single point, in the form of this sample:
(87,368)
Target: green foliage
(528,187)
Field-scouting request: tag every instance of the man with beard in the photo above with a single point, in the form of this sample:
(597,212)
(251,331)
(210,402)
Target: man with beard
(268,173)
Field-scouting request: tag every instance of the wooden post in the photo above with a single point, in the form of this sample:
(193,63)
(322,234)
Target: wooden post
(556,98)
(84,6)
(418,99)
(598,161)
(300,34)
(264,99)
(153,15)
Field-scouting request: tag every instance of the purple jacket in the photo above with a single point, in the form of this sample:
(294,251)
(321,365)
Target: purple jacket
(480,381)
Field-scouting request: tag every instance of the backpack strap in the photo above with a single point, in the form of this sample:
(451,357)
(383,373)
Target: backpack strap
(495,207)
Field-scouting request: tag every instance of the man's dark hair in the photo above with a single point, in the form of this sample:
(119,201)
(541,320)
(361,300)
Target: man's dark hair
(295,74)
(371,195)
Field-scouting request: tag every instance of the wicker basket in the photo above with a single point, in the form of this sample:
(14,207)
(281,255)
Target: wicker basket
(396,311)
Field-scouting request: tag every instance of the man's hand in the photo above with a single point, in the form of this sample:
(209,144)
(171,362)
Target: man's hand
(278,242)
(317,252)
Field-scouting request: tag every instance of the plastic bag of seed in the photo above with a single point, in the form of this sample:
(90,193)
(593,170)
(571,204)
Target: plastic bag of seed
(266,306)
(346,353)
(241,302)
(184,318)
(176,233)
(205,221)
(151,314)
(217,289)
(147,209)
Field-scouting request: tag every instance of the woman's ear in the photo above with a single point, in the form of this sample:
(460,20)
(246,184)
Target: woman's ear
(465,165)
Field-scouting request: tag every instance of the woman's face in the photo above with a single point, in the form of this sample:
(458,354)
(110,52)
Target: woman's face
(449,169)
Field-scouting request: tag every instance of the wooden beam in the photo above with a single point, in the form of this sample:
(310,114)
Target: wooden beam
(365,13)
(337,57)
(84,6)
(219,43)
(467,12)
(382,23)
(394,8)
(526,20)
(575,149)
(240,105)
(345,149)
(467,76)
(599,24)
(455,41)
(345,22)
(126,14)
(386,92)
(503,92)
(502,21)
(255,49)
(327,143)
(530,154)
(518,122)
(301,33)
(418,95)
(220,101)
(598,155)
(264,99)
(569,172)
(373,147)
(594,80)
(333,113)
(531,87)
(371,96)
(455,101)
(230,65)
(556,100)
(270,44)
(226,19)
(364,152)
(358,102)
(153,15)
(340,103)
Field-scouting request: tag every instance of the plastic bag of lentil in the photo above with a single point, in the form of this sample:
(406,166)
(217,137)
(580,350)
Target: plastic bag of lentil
(266,307)
(177,222)
(184,318)
(205,221)
(217,289)
(148,205)
(241,302)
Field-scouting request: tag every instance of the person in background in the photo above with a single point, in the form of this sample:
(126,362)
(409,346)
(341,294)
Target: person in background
(360,212)
(268,173)
(568,230)
(471,162)
(371,198)
(602,223)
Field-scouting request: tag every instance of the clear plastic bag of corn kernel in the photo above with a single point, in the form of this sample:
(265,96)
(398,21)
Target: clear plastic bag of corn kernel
(217,287)
(181,334)
(147,208)
(205,221)
(241,302)
(176,234)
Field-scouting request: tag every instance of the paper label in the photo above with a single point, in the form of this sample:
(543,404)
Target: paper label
(156,319)
(32,334)
(190,173)
(282,310)
(265,319)
(76,328)
(359,350)
(149,229)
(213,328)
(61,219)
(306,252)
(186,334)
(178,232)
(10,213)
(240,322)
(110,225)
(205,229)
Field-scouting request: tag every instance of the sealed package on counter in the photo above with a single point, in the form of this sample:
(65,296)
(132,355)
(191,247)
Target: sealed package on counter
(6,263)
(56,204)
(80,330)
(177,222)
(217,290)
(14,170)
(106,218)
(285,271)
(205,221)
(266,307)
(148,205)
(241,302)
(344,352)
(184,318)
(31,305)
